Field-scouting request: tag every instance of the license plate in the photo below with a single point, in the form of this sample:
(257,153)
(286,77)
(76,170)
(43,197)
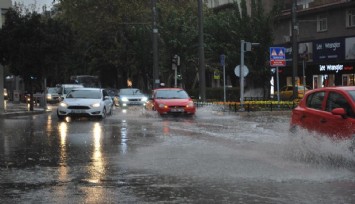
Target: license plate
(177,110)
(77,111)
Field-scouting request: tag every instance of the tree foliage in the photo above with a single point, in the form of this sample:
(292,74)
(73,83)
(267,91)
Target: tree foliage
(113,39)
(32,44)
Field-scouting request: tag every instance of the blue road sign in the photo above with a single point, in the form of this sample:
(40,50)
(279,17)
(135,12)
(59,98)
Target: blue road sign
(277,57)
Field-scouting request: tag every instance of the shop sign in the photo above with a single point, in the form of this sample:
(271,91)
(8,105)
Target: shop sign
(326,68)
(332,49)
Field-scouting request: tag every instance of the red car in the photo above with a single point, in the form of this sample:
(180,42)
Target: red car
(329,111)
(172,101)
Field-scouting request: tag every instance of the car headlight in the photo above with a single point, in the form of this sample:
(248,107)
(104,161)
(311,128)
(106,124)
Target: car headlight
(162,105)
(190,104)
(49,96)
(124,99)
(62,104)
(144,99)
(95,105)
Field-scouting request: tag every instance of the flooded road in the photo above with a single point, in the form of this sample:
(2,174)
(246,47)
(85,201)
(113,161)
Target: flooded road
(136,156)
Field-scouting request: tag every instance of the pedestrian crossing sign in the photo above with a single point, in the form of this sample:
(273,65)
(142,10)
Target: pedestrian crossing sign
(277,57)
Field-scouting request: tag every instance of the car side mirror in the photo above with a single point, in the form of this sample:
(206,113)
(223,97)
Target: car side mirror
(339,111)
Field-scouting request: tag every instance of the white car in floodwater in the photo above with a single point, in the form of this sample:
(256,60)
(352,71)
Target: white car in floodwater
(85,102)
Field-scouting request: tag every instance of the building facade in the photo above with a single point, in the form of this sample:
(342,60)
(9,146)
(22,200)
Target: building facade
(326,43)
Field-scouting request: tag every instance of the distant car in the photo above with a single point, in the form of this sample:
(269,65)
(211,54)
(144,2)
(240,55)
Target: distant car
(6,96)
(64,89)
(131,96)
(86,102)
(286,92)
(172,101)
(52,95)
(329,111)
(114,94)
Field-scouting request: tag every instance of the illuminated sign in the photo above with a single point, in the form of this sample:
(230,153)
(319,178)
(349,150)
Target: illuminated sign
(336,68)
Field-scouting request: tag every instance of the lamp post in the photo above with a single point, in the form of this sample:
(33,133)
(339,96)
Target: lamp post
(201,53)
(156,80)
(244,47)
(294,47)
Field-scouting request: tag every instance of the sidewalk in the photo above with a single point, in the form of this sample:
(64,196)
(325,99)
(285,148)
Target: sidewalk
(18,109)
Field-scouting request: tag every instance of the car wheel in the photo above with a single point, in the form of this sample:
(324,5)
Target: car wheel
(110,112)
(103,113)
(60,117)
(293,129)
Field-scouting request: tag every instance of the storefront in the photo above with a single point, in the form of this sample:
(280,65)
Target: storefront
(326,62)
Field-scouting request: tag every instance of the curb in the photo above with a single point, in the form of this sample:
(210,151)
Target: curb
(23,113)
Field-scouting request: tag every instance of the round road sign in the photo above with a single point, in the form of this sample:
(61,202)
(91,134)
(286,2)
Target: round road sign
(237,71)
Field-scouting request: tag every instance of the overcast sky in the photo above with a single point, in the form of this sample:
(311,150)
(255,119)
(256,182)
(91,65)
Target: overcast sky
(39,3)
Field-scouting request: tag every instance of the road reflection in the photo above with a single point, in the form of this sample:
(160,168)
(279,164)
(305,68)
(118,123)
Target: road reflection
(63,167)
(97,168)
(124,137)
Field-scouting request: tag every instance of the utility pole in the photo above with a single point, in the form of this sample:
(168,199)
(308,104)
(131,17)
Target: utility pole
(201,54)
(156,80)
(294,47)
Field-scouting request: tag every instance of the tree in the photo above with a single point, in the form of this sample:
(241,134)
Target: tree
(228,27)
(107,41)
(31,45)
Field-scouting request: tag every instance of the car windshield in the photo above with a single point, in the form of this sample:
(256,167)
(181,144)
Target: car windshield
(91,94)
(52,90)
(130,91)
(67,90)
(352,94)
(171,94)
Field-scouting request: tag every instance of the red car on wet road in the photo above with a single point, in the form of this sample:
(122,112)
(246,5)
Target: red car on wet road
(329,111)
(172,101)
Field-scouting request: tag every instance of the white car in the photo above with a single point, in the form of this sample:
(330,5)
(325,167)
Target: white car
(85,102)
(131,96)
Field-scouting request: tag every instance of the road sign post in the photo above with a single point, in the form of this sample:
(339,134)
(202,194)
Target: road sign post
(223,63)
(277,59)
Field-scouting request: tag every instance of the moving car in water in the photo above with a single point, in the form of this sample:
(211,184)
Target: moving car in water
(329,111)
(6,96)
(52,95)
(172,101)
(131,96)
(85,102)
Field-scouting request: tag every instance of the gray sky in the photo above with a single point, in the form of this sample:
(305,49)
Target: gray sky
(38,3)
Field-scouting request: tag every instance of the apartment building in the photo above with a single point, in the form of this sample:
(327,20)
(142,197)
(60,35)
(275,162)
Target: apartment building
(325,39)
(4,6)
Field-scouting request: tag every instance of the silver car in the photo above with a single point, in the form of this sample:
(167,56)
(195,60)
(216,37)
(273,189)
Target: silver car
(131,96)
(85,102)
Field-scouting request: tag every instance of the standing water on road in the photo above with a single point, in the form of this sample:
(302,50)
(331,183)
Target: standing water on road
(138,156)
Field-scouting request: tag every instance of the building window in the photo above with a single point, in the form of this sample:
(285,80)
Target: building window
(350,18)
(322,24)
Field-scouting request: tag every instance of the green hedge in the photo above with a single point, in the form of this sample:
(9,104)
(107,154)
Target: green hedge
(216,94)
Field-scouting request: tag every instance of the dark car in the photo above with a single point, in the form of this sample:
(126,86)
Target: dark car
(329,111)
(52,95)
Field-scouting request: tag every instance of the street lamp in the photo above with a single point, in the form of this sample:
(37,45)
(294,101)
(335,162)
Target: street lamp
(244,47)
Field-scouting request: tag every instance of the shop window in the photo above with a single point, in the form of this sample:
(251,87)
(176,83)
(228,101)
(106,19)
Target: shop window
(322,24)
(350,18)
